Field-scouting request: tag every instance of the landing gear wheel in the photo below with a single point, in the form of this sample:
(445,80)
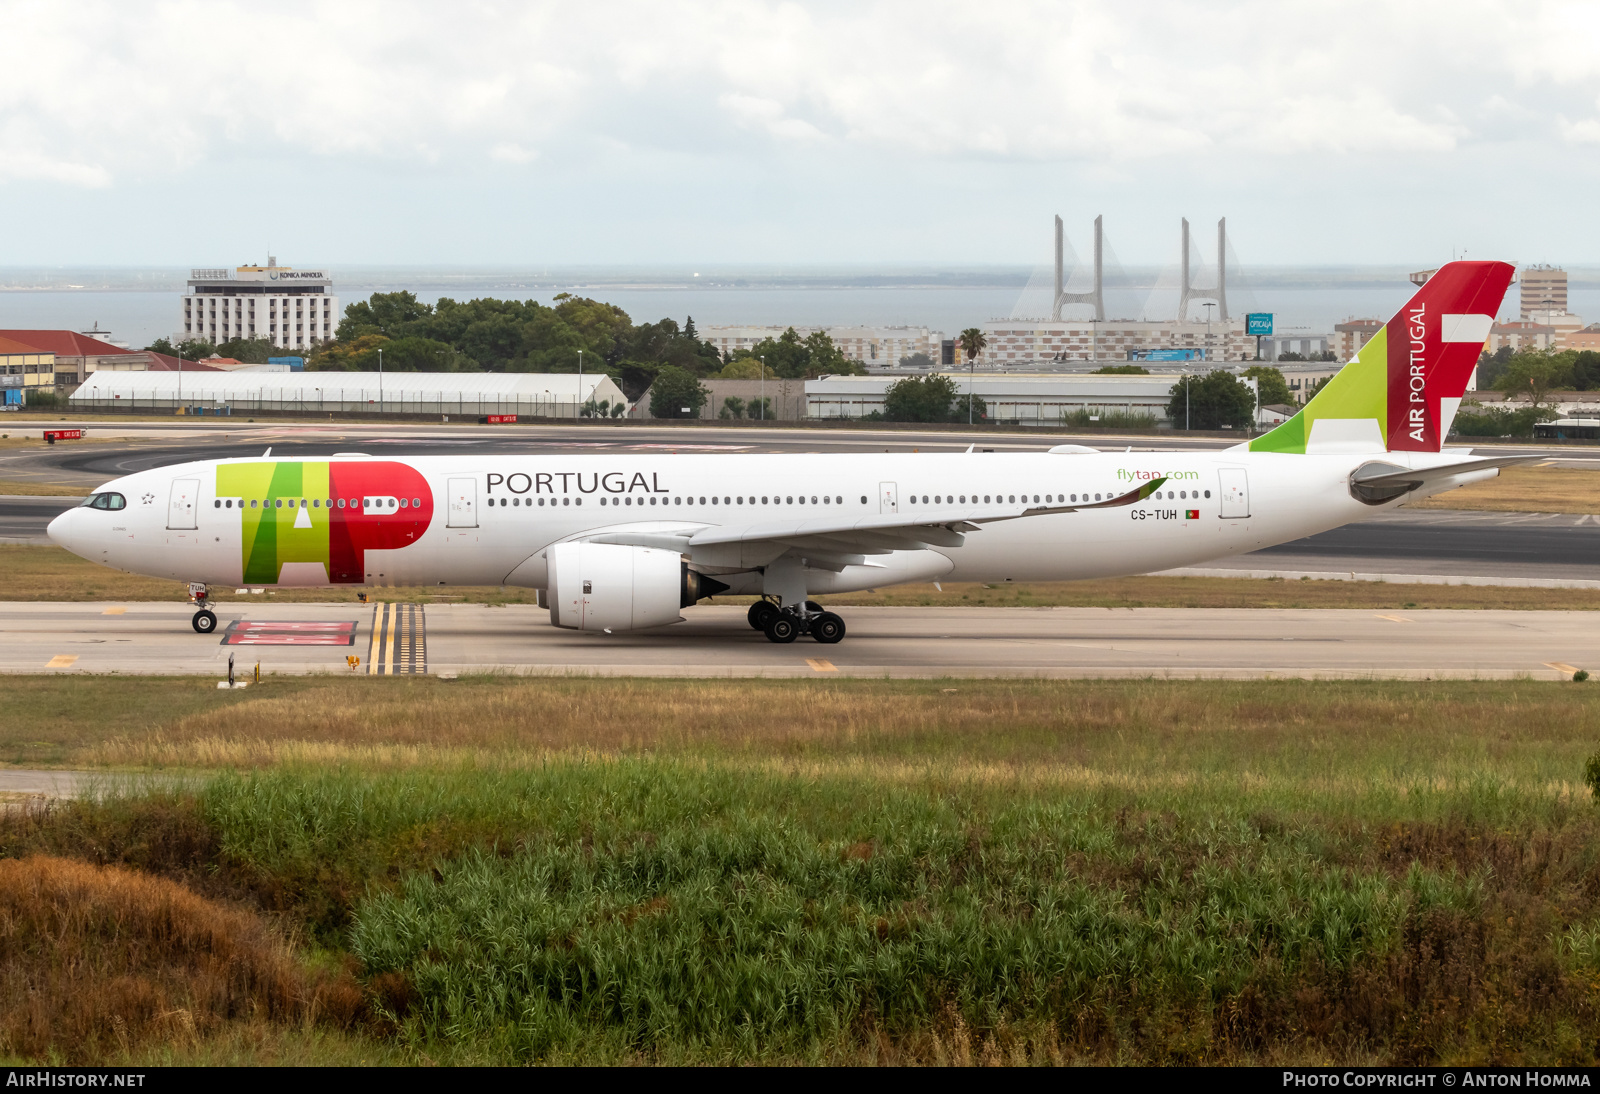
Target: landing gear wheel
(827,628)
(781,628)
(760,612)
(205,621)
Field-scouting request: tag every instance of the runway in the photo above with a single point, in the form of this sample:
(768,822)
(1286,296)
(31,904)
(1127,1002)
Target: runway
(454,639)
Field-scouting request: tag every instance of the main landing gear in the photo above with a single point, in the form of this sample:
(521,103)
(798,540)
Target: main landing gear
(205,620)
(782,625)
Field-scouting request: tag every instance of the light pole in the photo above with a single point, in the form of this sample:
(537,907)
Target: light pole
(579,400)
(972,378)
(1208,307)
(1187,387)
(380,381)
(180,372)
(763,389)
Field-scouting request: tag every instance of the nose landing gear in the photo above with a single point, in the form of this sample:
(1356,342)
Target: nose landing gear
(783,625)
(205,620)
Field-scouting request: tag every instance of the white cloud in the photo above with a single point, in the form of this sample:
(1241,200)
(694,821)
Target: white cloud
(511,152)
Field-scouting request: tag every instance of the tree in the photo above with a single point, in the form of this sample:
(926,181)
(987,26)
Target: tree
(1535,375)
(190,350)
(1492,365)
(1210,402)
(758,410)
(920,399)
(973,343)
(1121,370)
(732,407)
(251,351)
(743,368)
(677,393)
(916,360)
(1270,383)
(1586,371)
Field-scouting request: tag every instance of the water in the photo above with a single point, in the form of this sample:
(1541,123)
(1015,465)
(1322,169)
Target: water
(138,315)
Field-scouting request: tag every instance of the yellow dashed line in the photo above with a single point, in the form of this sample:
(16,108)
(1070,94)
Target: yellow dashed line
(1395,618)
(61,661)
(820,665)
(115,611)
(1559,666)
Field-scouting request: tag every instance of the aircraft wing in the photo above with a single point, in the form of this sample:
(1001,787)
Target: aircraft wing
(846,540)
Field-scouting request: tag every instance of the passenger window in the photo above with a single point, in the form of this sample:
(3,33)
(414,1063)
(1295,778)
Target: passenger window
(702,501)
(1208,493)
(341,503)
(863,499)
(216,504)
(416,503)
(763,501)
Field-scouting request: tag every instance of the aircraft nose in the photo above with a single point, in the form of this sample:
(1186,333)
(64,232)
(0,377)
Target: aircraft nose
(60,530)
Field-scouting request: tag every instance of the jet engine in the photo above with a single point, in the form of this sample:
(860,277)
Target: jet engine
(606,586)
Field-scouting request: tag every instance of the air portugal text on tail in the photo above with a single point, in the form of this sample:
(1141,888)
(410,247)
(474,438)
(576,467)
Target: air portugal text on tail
(625,541)
(1401,392)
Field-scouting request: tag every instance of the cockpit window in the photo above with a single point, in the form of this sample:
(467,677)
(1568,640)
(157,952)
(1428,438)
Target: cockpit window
(104,501)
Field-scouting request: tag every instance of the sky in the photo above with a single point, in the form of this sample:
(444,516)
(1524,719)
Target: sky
(673,134)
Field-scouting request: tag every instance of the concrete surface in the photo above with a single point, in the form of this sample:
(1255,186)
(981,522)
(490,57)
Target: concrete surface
(900,642)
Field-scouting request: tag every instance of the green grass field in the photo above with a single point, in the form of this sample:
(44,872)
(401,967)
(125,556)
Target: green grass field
(641,871)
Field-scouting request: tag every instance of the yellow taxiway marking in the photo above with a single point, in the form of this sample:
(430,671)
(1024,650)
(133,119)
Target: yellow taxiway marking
(1559,666)
(1395,618)
(61,661)
(820,665)
(115,611)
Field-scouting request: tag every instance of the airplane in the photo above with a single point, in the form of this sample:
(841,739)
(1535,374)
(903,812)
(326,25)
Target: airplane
(625,542)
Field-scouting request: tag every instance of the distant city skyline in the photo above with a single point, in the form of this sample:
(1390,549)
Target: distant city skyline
(768,134)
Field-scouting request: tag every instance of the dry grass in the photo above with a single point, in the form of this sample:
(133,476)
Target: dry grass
(99,961)
(1534,489)
(53,574)
(42,489)
(1137,734)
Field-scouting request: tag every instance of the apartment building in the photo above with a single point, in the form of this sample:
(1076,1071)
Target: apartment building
(295,309)
(875,347)
(1021,343)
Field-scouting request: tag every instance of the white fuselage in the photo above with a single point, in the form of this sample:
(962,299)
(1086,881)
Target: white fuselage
(1211,505)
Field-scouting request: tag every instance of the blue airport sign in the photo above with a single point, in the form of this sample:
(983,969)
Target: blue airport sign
(1258,322)
(1167,355)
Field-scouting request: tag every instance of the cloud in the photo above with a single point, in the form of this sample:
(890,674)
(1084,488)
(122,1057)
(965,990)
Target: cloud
(511,152)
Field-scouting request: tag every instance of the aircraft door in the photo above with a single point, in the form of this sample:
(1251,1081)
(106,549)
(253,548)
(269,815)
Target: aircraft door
(1235,486)
(183,508)
(463,503)
(888,498)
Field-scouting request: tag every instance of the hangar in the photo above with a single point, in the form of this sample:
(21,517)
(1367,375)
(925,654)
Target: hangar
(468,394)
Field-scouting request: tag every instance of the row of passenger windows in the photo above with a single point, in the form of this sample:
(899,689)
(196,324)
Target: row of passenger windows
(320,503)
(1049,499)
(790,500)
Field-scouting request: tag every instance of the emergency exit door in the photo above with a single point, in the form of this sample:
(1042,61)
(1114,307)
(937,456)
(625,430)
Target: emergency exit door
(463,503)
(182,507)
(888,497)
(1235,492)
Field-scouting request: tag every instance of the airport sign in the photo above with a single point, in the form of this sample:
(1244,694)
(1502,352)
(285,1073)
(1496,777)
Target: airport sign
(1258,322)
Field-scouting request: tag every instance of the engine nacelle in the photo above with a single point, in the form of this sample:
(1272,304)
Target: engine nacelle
(607,586)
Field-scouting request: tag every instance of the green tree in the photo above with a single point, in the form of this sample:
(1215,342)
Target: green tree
(973,342)
(758,410)
(1586,371)
(916,360)
(1212,401)
(1121,370)
(743,368)
(732,407)
(190,350)
(677,393)
(1492,365)
(920,399)
(252,351)
(386,313)
(1535,375)
(1270,383)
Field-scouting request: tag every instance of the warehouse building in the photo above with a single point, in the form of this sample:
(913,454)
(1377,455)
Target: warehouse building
(461,394)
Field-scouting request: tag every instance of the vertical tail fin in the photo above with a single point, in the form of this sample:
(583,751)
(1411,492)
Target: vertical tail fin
(1400,393)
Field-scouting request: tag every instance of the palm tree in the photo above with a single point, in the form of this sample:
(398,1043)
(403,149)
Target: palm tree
(972,343)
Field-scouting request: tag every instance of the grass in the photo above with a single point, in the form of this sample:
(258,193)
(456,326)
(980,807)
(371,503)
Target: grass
(584,870)
(1526,489)
(54,574)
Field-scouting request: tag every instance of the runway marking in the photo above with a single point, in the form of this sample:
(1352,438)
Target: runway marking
(1396,619)
(61,661)
(115,611)
(399,641)
(820,665)
(290,633)
(1559,666)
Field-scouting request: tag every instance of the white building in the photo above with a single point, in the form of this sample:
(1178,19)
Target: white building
(1021,343)
(465,394)
(295,309)
(1029,399)
(875,347)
